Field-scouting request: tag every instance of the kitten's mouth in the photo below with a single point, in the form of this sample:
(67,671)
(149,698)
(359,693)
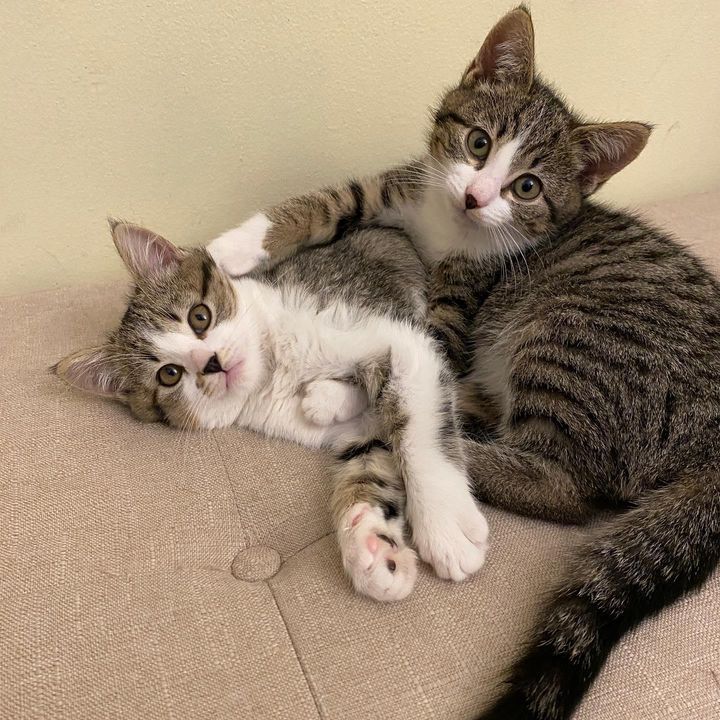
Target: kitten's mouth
(233,374)
(224,380)
(482,218)
(474,216)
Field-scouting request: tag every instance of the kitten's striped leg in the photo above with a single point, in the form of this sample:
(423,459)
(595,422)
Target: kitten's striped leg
(368,506)
(318,218)
(412,394)
(479,412)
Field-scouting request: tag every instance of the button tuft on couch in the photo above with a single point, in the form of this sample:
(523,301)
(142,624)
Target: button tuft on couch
(256,563)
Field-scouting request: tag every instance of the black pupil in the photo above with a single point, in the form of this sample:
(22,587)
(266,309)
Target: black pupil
(528,185)
(480,142)
(201,317)
(171,370)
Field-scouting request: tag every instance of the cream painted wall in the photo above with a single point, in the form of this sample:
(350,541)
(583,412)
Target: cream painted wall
(187,116)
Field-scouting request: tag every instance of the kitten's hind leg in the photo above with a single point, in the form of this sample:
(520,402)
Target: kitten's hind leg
(367,506)
(412,394)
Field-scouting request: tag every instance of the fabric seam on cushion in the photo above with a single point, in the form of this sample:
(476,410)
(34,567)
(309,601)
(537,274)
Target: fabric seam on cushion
(300,663)
(269,587)
(246,538)
(250,541)
(310,544)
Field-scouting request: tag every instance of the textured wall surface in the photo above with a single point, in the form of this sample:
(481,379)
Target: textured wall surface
(188,116)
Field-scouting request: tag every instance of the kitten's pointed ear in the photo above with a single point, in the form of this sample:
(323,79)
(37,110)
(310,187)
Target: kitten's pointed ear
(91,370)
(606,148)
(508,53)
(145,253)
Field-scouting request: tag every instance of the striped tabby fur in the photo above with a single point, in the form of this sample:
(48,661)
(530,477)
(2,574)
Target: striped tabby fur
(587,343)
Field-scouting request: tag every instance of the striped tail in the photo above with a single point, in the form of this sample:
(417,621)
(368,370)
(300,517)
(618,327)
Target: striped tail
(638,564)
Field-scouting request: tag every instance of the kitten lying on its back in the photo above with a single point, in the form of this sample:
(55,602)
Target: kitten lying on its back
(198,349)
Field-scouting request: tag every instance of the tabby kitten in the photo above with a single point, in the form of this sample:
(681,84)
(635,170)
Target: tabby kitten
(588,343)
(197,349)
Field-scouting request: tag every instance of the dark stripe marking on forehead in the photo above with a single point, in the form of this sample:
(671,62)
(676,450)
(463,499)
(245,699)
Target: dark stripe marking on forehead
(444,117)
(206,275)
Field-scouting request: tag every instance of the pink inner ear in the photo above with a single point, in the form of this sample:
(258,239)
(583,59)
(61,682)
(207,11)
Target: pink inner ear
(606,148)
(162,255)
(507,55)
(144,252)
(90,370)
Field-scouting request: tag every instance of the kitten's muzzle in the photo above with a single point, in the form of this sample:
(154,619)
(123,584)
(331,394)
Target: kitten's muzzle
(481,192)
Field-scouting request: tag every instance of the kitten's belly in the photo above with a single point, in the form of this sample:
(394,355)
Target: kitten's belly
(279,414)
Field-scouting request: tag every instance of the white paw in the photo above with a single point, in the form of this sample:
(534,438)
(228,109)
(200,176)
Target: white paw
(241,250)
(449,531)
(330,401)
(375,555)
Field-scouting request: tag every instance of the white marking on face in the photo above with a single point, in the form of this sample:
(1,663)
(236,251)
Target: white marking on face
(178,347)
(487,184)
(200,357)
(459,176)
(440,223)
(218,398)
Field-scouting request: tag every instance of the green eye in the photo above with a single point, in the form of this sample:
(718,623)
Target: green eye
(527,187)
(199,318)
(478,142)
(169,375)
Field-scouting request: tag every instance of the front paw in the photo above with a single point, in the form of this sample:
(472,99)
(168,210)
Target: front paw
(241,250)
(375,555)
(451,534)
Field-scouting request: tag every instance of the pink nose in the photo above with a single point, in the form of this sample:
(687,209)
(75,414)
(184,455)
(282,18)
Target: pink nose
(476,200)
(481,193)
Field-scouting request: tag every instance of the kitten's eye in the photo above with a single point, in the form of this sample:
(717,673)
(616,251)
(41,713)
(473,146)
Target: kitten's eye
(527,187)
(478,142)
(169,375)
(199,318)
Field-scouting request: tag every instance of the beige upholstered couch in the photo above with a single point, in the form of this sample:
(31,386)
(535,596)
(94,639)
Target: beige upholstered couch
(149,574)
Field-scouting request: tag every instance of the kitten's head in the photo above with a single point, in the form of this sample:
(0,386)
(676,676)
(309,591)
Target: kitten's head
(512,153)
(188,349)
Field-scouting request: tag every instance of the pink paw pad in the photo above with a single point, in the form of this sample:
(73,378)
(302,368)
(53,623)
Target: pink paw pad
(380,565)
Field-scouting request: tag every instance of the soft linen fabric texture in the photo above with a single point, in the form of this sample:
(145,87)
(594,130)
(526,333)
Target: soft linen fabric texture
(149,573)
